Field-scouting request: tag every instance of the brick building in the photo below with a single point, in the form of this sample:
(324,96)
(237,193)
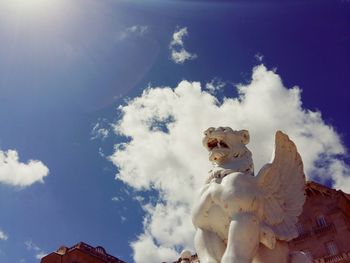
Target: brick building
(324,225)
(80,253)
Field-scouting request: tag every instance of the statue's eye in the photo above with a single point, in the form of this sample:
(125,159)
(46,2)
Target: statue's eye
(236,155)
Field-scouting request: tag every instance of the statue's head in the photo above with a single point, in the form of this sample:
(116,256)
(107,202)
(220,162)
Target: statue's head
(228,146)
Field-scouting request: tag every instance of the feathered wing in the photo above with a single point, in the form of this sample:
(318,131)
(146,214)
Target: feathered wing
(282,186)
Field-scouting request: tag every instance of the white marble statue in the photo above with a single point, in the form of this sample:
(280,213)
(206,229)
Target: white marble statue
(242,218)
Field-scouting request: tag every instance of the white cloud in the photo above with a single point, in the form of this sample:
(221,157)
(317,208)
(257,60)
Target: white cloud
(13,172)
(137,29)
(99,131)
(122,219)
(178,37)
(214,85)
(139,198)
(178,53)
(259,57)
(31,246)
(101,153)
(40,255)
(117,199)
(133,31)
(3,236)
(164,127)
(180,56)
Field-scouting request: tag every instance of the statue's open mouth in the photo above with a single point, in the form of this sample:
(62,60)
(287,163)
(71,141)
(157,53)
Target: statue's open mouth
(215,143)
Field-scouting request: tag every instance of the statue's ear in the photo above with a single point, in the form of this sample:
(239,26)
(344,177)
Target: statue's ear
(244,136)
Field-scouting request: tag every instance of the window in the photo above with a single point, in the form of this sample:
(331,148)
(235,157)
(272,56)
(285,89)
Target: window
(332,248)
(321,221)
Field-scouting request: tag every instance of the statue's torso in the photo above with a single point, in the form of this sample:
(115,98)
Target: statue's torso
(232,194)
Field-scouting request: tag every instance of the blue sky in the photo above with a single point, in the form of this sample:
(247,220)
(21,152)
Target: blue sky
(69,75)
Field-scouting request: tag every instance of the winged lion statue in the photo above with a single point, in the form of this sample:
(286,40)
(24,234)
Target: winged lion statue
(243,218)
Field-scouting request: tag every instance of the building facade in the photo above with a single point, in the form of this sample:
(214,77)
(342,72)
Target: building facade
(80,253)
(324,225)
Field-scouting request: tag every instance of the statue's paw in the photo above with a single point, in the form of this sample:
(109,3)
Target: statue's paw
(270,243)
(267,237)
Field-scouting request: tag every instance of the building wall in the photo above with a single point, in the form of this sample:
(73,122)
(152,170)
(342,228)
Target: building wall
(324,225)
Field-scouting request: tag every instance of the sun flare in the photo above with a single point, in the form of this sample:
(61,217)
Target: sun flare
(31,5)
